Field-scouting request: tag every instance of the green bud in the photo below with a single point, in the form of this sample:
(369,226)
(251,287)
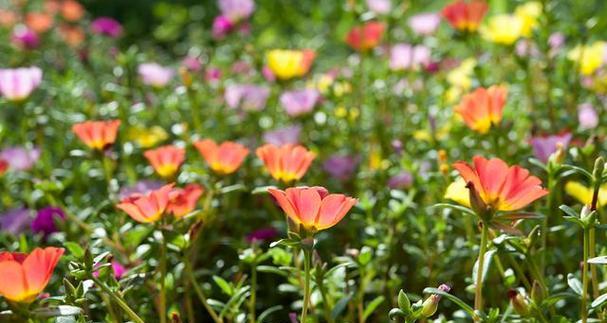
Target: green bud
(403,302)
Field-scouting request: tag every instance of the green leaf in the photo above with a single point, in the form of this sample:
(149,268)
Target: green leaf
(486,265)
(455,207)
(61,310)
(340,306)
(599,301)
(453,298)
(578,170)
(268,312)
(601,260)
(569,211)
(224,285)
(372,306)
(75,249)
(403,302)
(261,189)
(574,283)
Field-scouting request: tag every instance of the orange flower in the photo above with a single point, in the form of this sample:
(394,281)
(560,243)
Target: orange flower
(23,277)
(183,200)
(465,16)
(8,18)
(166,159)
(72,35)
(313,207)
(149,207)
(38,21)
(365,37)
(71,10)
(500,187)
(224,158)
(483,108)
(287,162)
(97,134)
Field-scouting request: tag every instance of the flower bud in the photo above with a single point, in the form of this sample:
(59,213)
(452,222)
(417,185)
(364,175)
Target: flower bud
(477,203)
(518,302)
(430,305)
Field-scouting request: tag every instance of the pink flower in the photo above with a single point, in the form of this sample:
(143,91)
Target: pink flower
(268,74)
(106,26)
(380,7)
(25,38)
(405,56)
(587,116)
(17,84)
(155,75)
(222,26)
(246,96)
(299,102)
(236,10)
(424,23)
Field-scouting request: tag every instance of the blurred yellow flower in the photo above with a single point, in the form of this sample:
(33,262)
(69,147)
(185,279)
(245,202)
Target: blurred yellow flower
(583,194)
(461,76)
(341,112)
(342,88)
(323,83)
(589,57)
(287,64)
(145,137)
(375,159)
(503,29)
(528,13)
(458,192)
(354,113)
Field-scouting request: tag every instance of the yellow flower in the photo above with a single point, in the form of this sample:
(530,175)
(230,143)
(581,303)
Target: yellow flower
(324,82)
(342,88)
(589,57)
(583,194)
(147,137)
(503,29)
(287,64)
(341,112)
(458,192)
(528,13)
(461,76)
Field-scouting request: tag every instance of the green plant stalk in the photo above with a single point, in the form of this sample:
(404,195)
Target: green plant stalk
(478,294)
(253,292)
(306,299)
(325,300)
(545,223)
(200,293)
(118,299)
(162,308)
(584,302)
(591,254)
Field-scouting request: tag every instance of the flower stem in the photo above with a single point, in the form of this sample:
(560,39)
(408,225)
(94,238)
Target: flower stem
(478,295)
(306,300)
(200,293)
(163,268)
(253,292)
(118,299)
(583,309)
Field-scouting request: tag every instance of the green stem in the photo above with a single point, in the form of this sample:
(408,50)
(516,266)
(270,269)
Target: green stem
(253,292)
(583,309)
(163,268)
(306,300)
(478,295)
(118,299)
(591,254)
(200,293)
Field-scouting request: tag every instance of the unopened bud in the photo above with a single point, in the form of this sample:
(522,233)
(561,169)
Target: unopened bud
(518,302)
(477,203)
(430,305)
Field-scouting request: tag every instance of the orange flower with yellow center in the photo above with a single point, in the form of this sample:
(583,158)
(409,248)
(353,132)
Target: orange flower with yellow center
(483,108)
(183,200)
(287,162)
(166,160)
(97,134)
(224,158)
(23,276)
(499,186)
(365,37)
(147,208)
(465,16)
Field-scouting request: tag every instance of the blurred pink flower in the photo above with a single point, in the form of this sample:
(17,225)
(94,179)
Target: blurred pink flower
(587,116)
(212,75)
(25,38)
(222,26)
(525,48)
(341,167)
(118,269)
(544,146)
(15,221)
(20,158)
(299,102)
(380,7)
(262,235)
(402,180)
(406,56)
(192,63)
(246,96)
(424,24)
(155,75)
(268,74)
(283,136)
(18,83)
(236,10)
(45,220)
(556,41)
(106,26)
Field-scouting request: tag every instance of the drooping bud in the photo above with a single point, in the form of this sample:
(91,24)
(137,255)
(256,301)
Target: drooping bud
(518,302)
(477,203)
(537,293)
(430,305)
(597,174)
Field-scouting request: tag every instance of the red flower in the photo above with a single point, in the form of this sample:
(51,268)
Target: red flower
(23,277)
(465,16)
(500,187)
(313,207)
(97,134)
(183,200)
(365,37)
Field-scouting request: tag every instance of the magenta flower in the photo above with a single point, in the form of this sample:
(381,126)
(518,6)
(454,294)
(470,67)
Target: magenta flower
(341,167)
(222,26)
(236,10)
(212,75)
(119,269)
(192,63)
(402,180)
(155,75)
(380,7)
(25,38)
(587,116)
(262,235)
(45,220)
(544,146)
(299,102)
(283,136)
(246,96)
(18,83)
(20,158)
(424,24)
(15,221)
(106,26)
(406,57)
(268,74)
